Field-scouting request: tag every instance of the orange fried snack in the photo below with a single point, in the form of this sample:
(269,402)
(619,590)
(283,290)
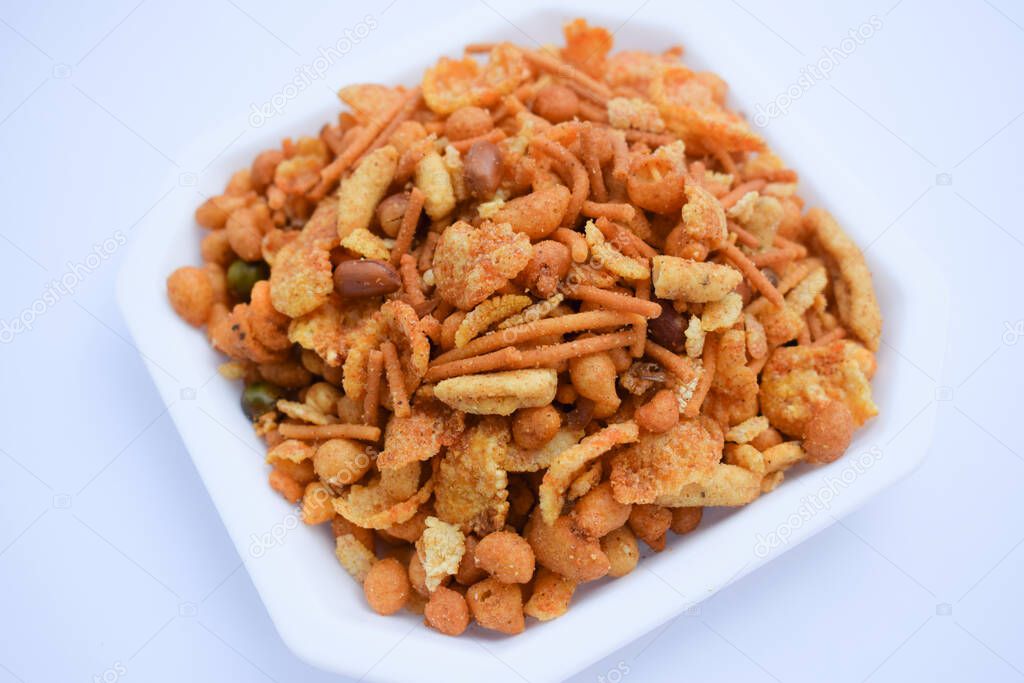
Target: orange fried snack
(545,305)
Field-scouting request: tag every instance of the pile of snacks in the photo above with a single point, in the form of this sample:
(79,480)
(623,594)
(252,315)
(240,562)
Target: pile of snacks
(498,328)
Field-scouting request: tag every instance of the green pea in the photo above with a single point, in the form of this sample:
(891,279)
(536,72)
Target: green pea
(242,275)
(259,398)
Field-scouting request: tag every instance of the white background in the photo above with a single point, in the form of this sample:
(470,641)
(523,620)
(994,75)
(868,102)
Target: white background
(113,562)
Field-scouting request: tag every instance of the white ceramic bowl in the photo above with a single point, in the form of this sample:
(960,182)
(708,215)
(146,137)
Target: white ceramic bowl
(320,612)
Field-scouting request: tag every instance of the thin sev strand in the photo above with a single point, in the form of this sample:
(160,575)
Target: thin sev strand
(324,432)
(426,258)
(700,392)
(371,401)
(611,210)
(752,273)
(565,324)
(729,199)
(624,239)
(407,230)
(576,242)
(333,171)
(615,301)
(680,366)
(830,336)
(511,358)
(494,135)
(593,166)
(572,166)
(412,285)
(590,87)
(412,102)
(396,382)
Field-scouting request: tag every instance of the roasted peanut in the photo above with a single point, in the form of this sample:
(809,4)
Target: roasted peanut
(391,211)
(669,328)
(481,169)
(365,278)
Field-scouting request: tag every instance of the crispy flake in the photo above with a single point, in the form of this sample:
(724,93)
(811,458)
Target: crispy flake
(440,550)
(487,313)
(568,464)
(471,483)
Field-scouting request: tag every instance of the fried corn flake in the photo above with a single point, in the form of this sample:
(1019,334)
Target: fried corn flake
(440,550)
(567,464)
(472,486)
(487,313)
(499,393)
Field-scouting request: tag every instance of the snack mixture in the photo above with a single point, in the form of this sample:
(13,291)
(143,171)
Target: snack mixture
(500,328)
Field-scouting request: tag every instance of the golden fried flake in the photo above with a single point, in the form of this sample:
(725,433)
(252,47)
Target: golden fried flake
(796,379)
(362,242)
(632,112)
(403,327)
(369,100)
(321,331)
(372,507)
(360,193)
(452,84)
(499,393)
(691,111)
(301,277)
(522,460)
(354,556)
(746,431)
(660,464)
(429,427)
(487,313)
(440,550)
(854,292)
(733,395)
(471,483)
(568,464)
(726,485)
(613,260)
(586,46)
(471,263)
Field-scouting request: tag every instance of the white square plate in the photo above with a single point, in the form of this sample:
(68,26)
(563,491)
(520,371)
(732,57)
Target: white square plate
(319,612)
